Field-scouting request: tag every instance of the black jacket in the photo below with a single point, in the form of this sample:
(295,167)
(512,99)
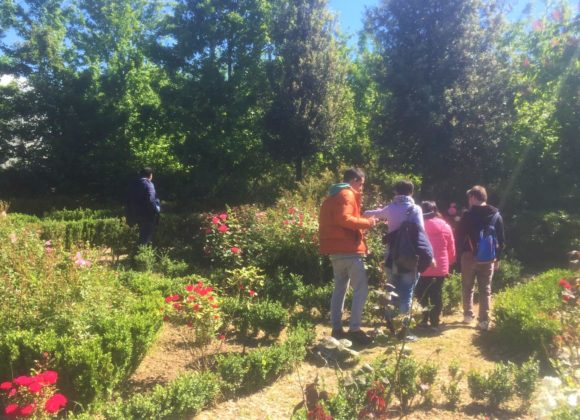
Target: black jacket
(472,222)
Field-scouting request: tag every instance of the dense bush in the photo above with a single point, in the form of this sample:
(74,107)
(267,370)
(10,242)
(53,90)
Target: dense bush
(451,294)
(508,274)
(524,314)
(542,239)
(182,397)
(94,328)
(249,318)
(243,373)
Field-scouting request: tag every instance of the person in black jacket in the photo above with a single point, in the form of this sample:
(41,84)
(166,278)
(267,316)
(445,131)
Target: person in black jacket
(143,206)
(479,215)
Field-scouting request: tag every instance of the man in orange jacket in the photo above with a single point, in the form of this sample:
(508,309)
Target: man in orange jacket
(341,237)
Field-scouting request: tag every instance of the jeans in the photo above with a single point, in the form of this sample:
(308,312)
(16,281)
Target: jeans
(404,286)
(472,270)
(348,268)
(428,292)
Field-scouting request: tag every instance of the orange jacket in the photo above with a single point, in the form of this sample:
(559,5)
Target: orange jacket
(340,225)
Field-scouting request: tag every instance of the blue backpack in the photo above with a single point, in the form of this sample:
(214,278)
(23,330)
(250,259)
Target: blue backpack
(487,245)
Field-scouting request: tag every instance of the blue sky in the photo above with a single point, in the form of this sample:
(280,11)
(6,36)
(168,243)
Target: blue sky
(351,12)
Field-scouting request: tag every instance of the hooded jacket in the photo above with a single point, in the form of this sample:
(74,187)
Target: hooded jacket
(441,237)
(472,222)
(340,223)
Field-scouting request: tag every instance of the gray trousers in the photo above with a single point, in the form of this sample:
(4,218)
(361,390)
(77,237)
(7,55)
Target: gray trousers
(348,269)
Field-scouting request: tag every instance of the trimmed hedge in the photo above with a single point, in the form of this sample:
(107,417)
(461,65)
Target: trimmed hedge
(524,314)
(181,398)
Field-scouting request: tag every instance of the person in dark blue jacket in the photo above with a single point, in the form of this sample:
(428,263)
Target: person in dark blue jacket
(143,207)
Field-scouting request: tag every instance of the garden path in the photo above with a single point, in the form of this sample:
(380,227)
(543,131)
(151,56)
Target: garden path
(456,341)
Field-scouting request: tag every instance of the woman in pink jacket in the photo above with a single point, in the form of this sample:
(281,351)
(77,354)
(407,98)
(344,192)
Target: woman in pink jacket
(430,285)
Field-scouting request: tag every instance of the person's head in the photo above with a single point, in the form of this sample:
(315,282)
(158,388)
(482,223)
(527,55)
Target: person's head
(404,187)
(146,173)
(476,195)
(430,207)
(355,177)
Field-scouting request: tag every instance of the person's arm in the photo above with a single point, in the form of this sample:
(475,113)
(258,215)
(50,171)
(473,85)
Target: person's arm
(151,197)
(418,214)
(346,217)
(378,213)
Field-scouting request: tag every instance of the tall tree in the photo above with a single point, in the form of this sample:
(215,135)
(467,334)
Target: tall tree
(307,78)
(448,108)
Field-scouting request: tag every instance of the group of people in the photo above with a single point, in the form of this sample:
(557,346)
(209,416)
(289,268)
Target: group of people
(436,247)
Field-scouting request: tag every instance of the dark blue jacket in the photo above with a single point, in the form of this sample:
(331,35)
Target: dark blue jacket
(142,203)
(422,247)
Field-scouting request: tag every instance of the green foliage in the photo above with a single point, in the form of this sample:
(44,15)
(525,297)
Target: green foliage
(452,390)
(542,239)
(524,314)
(509,274)
(94,328)
(251,318)
(185,396)
(259,367)
(503,382)
(451,293)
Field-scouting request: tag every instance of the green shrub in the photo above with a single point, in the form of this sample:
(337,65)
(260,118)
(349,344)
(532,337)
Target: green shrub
(183,397)
(542,239)
(318,297)
(524,314)
(249,318)
(503,382)
(259,367)
(451,293)
(508,274)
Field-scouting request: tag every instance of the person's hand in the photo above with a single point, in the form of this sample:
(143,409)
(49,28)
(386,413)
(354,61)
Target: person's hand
(373,221)
(433,263)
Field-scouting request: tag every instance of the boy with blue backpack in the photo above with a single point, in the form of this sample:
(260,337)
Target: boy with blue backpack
(480,240)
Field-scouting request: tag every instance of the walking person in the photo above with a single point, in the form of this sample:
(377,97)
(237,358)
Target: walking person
(430,286)
(341,231)
(143,206)
(480,227)
(403,214)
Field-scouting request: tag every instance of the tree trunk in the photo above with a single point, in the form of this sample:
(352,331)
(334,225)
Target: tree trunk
(298,167)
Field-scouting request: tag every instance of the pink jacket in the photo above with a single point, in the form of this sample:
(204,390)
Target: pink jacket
(441,237)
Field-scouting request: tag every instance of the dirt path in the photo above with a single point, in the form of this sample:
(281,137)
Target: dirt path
(456,341)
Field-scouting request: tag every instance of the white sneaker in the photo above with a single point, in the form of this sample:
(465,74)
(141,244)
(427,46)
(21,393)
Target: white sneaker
(483,326)
(467,319)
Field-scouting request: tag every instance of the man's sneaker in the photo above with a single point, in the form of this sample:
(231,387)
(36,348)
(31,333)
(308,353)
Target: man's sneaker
(467,319)
(403,335)
(359,337)
(339,334)
(483,326)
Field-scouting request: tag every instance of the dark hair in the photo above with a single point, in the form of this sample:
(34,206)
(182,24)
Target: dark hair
(353,174)
(430,207)
(404,187)
(146,172)
(478,192)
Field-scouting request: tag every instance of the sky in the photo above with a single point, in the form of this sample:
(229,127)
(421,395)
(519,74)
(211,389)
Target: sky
(351,12)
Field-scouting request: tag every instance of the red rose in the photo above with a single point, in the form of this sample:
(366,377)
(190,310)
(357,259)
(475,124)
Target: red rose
(564,283)
(223,228)
(236,250)
(189,287)
(35,387)
(216,317)
(291,210)
(169,299)
(566,298)
(224,217)
(177,306)
(285,222)
(165,318)
(215,306)
(222,337)
(252,293)
(5,386)
(23,380)
(12,410)
(27,410)
(48,378)
(55,403)
(12,392)
(215,220)
(196,307)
